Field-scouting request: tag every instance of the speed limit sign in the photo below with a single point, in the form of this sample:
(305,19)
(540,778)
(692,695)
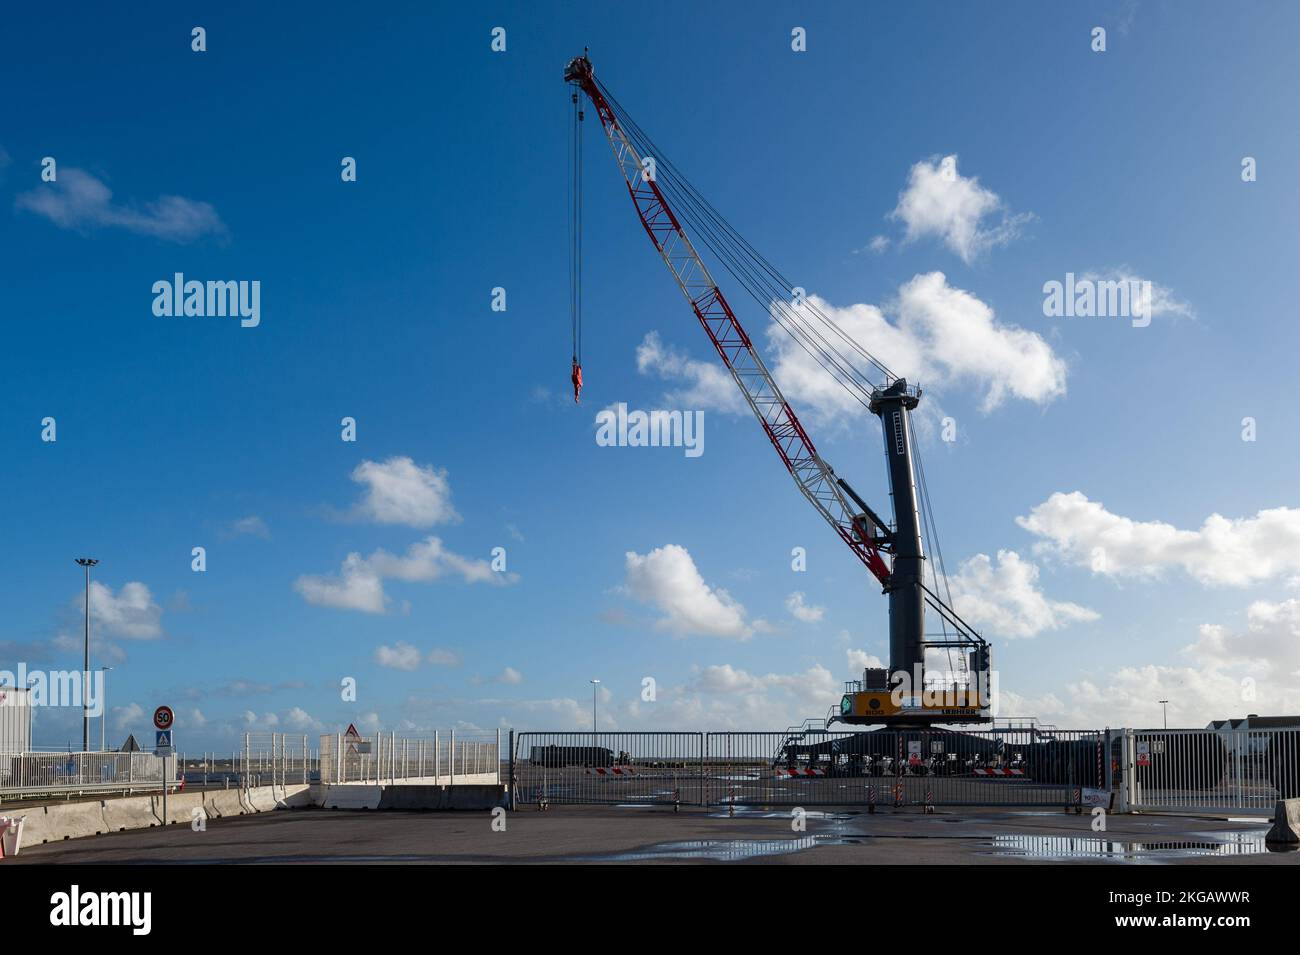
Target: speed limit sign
(163,717)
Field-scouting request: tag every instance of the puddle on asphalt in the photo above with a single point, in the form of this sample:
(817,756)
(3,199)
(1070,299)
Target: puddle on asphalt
(1146,850)
(755,813)
(724,850)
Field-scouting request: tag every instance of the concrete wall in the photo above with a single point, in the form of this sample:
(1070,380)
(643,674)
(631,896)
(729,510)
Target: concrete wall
(410,797)
(74,820)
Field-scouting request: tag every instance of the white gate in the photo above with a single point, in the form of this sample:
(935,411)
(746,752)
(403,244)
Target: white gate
(1242,770)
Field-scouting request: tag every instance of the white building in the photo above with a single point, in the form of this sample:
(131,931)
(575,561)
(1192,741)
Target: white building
(15,719)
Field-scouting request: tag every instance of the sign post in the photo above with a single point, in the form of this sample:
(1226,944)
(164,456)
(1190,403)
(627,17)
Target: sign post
(163,718)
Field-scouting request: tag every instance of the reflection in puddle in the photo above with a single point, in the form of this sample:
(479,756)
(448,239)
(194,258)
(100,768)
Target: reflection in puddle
(1096,847)
(727,850)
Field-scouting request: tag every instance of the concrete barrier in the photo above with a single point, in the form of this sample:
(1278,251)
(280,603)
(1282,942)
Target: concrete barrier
(72,820)
(130,812)
(180,807)
(224,804)
(440,798)
(475,797)
(1286,823)
(261,798)
(295,797)
(36,827)
(351,796)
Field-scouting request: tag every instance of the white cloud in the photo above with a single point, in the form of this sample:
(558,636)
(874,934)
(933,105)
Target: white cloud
(802,611)
(428,560)
(860,660)
(402,656)
(510,675)
(1162,302)
(441,657)
(668,578)
(131,612)
(939,201)
(939,336)
(196,717)
(399,491)
(79,201)
(357,587)
(1129,697)
(1223,551)
(299,719)
(878,244)
(1269,645)
(727,697)
(250,526)
(708,383)
(360,582)
(1004,599)
(125,717)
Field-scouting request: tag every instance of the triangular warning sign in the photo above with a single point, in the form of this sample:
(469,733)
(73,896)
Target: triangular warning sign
(352,737)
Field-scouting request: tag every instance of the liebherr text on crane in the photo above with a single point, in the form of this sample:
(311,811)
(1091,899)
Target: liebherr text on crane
(903,694)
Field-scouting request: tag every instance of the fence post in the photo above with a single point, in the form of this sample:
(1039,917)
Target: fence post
(510,783)
(1126,769)
(451,755)
(437,777)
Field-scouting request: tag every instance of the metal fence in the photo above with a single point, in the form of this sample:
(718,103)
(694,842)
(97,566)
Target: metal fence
(442,758)
(1241,770)
(274,759)
(1021,767)
(33,774)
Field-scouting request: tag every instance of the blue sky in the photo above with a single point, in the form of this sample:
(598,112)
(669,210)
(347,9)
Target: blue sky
(375,304)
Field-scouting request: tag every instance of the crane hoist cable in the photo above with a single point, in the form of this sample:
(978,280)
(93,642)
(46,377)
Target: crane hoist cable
(575,238)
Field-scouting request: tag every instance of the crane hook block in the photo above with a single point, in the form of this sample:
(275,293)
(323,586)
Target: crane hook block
(576,377)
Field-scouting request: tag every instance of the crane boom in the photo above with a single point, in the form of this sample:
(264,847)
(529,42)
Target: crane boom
(814,477)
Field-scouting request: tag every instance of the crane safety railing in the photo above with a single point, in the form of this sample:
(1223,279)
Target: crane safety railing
(441,758)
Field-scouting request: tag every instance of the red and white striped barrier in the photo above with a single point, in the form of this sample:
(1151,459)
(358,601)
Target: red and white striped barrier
(786,773)
(610,771)
(999,772)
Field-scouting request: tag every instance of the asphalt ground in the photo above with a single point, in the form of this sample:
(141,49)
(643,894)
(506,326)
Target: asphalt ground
(657,835)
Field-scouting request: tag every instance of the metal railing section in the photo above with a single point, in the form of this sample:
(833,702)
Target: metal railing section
(440,758)
(47,773)
(813,767)
(1241,770)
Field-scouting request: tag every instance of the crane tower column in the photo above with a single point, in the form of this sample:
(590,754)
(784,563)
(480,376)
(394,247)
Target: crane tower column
(906,597)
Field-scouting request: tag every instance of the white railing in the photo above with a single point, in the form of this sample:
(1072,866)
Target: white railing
(1237,770)
(442,759)
(40,773)
(275,759)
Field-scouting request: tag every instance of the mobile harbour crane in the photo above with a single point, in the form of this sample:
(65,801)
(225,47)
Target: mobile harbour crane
(671,210)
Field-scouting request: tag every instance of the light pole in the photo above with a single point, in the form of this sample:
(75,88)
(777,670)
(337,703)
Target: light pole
(594,685)
(1164,706)
(103,714)
(86,562)
(31,716)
